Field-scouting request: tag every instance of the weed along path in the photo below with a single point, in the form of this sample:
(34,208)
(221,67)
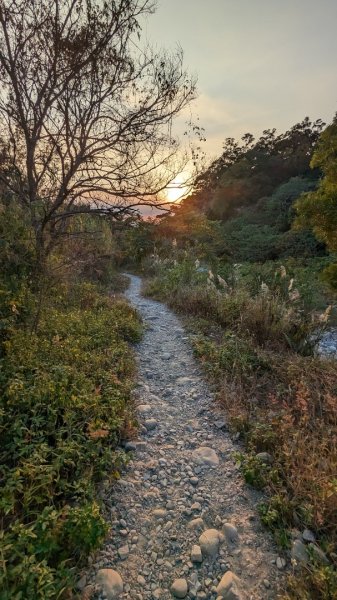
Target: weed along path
(183,522)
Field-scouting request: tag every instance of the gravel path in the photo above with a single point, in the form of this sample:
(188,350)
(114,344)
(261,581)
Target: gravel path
(181,483)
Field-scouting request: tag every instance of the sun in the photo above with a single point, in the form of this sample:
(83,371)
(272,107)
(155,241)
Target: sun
(177,189)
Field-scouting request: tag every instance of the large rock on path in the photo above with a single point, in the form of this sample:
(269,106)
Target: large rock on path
(179,588)
(229,587)
(231,534)
(196,554)
(205,456)
(209,542)
(111,583)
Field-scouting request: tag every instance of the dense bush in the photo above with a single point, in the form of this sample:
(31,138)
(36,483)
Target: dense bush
(250,169)
(263,232)
(65,403)
(317,209)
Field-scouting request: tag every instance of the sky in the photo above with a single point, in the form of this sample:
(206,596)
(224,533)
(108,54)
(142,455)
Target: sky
(260,63)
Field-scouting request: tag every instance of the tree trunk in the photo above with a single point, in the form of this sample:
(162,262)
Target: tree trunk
(39,280)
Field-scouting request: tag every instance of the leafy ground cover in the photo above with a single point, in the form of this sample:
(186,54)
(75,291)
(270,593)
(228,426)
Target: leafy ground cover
(255,341)
(65,405)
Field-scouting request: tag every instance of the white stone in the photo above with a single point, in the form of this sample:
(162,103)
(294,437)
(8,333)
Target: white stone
(123,552)
(229,587)
(111,583)
(144,408)
(196,554)
(205,456)
(231,534)
(280,563)
(141,580)
(179,588)
(299,552)
(159,513)
(209,542)
(308,536)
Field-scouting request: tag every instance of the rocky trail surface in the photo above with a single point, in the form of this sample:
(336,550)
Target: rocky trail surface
(184,524)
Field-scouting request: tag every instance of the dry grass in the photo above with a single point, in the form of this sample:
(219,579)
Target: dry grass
(286,405)
(296,401)
(267,319)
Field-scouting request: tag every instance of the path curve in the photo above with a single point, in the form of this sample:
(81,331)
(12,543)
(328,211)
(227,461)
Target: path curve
(155,505)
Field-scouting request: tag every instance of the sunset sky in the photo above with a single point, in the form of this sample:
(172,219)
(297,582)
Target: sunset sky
(260,63)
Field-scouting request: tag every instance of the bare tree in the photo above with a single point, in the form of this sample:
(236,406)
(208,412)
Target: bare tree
(85,113)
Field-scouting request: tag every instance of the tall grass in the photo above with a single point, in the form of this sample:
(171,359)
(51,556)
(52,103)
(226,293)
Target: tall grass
(271,317)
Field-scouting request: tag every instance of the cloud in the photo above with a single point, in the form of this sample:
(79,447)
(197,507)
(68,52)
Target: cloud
(260,64)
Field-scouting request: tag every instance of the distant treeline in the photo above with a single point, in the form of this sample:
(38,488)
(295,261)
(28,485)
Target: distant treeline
(251,191)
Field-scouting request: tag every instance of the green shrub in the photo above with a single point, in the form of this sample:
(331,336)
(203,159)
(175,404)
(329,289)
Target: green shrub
(65,404)
(314,293)
(315,582)
(234,356)
(329,275)
(255,472)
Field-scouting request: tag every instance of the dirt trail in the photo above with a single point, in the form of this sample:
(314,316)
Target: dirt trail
(174,489)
